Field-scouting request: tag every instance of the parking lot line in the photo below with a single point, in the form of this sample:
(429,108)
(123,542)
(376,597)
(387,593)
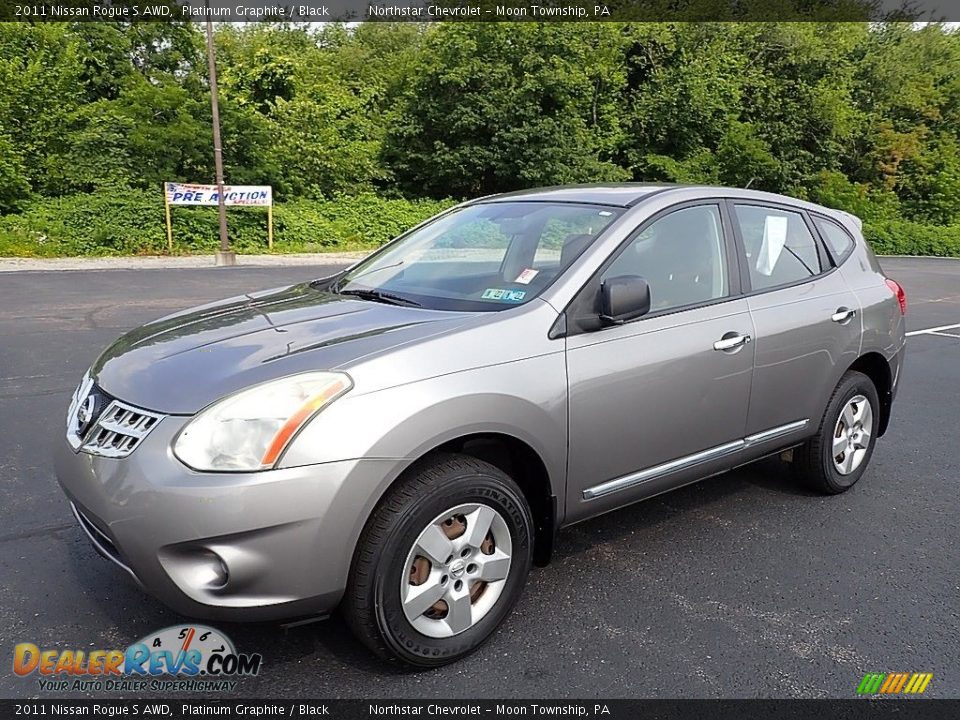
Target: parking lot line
(936,331)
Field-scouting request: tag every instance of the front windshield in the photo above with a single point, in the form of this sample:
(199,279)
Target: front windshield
(482,257)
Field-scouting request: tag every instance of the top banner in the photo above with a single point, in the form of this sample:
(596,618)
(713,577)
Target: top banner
(477,10)
(233,195)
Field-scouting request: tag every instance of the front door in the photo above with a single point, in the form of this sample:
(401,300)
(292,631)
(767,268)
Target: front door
(662,400)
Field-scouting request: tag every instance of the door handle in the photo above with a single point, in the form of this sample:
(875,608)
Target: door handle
(842,315)
(729,342)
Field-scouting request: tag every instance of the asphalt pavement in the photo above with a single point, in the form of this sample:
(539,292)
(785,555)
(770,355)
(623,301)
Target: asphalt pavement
(745,585)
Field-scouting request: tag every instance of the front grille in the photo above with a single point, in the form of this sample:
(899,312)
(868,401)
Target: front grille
(111,428)
(118,430)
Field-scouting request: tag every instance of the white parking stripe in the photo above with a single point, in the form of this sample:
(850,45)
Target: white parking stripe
(935,331)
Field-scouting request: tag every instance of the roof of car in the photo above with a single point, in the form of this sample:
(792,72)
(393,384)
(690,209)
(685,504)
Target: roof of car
(629,194)
(621,194)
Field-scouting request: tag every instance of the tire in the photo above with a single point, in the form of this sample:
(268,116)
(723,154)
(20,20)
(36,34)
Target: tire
(445,498)
(815,461)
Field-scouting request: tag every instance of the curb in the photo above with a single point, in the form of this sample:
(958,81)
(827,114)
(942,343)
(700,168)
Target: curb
(161,262)
(922,257)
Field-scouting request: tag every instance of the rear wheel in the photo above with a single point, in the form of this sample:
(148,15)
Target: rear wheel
(442,561)
(836,457)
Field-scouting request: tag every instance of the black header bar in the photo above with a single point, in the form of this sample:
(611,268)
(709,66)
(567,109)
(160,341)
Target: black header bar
(475,10)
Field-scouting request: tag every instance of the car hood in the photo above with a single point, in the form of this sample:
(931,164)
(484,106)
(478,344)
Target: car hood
(183,362)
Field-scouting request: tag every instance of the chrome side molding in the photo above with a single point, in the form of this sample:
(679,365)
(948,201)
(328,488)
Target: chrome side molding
(774,433)
(672,466)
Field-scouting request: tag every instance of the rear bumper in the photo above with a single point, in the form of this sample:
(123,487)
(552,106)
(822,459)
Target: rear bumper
(225,546)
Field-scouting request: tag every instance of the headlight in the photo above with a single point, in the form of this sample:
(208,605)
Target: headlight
(250,430)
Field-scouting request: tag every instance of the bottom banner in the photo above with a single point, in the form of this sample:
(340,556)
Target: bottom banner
(600,709)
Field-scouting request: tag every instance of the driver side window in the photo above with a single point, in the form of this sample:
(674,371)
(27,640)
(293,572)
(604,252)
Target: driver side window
(681,256)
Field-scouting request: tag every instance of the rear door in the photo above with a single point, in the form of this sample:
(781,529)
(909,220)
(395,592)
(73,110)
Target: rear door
(806,322)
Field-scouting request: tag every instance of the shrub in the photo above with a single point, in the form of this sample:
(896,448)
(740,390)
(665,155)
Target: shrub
(901,237)
(131,222)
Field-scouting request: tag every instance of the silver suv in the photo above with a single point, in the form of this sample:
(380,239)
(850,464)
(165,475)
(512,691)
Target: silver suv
(404,439)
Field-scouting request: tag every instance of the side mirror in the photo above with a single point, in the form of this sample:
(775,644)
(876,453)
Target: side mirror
(623,299)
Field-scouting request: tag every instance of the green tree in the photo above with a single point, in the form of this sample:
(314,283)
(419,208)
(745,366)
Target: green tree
(14,182)
(498,107)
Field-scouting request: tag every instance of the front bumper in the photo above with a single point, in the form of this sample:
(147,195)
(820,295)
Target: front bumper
(225,546)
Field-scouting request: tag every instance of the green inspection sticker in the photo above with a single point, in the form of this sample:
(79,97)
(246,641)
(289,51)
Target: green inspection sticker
(504,295)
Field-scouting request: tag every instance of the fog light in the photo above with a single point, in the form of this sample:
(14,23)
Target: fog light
(204,568)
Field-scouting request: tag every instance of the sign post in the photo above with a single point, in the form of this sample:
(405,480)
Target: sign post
(166,208)
(225,256)
(270,226)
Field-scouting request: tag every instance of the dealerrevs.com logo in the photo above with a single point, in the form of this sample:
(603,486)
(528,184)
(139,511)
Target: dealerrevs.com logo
(182,657)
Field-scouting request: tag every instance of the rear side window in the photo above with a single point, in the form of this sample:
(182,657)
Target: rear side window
(837,239)
(780,248)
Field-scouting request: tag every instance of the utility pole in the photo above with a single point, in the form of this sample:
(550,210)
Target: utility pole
(224,256)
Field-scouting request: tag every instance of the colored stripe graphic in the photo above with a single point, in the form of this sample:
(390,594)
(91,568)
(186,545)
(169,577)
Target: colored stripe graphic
(894,683)
(898,683)
(888,683)
(870,683)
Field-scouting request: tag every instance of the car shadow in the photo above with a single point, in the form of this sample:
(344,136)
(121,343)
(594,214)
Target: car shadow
(769,475)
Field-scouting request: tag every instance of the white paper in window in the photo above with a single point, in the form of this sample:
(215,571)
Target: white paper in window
(774,238)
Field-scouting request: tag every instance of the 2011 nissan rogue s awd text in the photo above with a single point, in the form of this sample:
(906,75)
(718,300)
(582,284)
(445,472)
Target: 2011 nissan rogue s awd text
(404,439)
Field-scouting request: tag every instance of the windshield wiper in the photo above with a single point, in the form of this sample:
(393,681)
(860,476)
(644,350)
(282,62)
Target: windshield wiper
(379,296)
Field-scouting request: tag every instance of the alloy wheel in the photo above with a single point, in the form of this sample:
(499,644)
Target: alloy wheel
(851,436)
(456,570)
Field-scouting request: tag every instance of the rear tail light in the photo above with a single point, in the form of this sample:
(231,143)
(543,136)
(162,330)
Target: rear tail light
(899,293)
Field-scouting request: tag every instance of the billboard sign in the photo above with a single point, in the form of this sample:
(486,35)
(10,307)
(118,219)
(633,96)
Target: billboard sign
(233,195)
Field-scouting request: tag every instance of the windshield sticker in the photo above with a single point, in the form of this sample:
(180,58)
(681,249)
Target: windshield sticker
(504,295)
(527,276)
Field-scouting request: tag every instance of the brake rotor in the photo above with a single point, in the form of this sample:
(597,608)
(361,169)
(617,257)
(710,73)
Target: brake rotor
(437,611)
(454,526)
(841,427)
(486,547)
(419,571)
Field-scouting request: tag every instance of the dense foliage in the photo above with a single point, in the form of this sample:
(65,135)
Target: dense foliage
(95,116)
(90,224)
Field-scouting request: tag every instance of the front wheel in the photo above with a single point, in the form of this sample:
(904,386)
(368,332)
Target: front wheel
(441,562)
(836,457)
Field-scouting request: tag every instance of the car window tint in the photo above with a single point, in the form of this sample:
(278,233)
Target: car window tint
(780,248)
(839,242)
(563,239)
(482,257)
(480,238)
(681,256)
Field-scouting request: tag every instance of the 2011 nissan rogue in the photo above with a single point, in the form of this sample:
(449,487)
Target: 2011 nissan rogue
(404,439)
